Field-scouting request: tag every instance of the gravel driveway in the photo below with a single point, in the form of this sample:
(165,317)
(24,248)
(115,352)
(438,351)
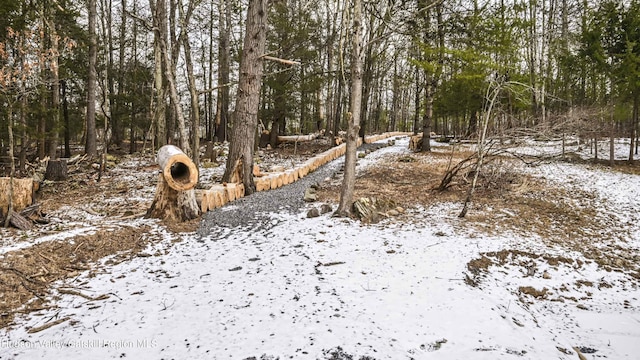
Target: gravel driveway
(253,212)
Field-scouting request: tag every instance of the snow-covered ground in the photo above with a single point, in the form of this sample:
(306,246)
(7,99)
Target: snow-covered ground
(585,150)
(306,288)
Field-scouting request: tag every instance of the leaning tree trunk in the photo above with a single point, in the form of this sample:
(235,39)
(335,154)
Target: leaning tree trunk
(175,198)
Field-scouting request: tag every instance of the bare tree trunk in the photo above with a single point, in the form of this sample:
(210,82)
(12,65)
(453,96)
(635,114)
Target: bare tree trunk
(159,11)
(193,91)
(119,111)
(109,106)
(634,126)
(612,140)
(395,103)
(55,93)
(67,121)
(243,132)
(91,138)
(12,174)
(23,123)
(416,100)
(170,77)
(428,115)
(160,113)
(481,147)
(348,183)
(222,104)
(42,122)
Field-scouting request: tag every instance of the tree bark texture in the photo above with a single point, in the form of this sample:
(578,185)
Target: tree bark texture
(56,170)
(193,90)
(170,77)
(91,138)
(222,104)
(353,126)
(243,132)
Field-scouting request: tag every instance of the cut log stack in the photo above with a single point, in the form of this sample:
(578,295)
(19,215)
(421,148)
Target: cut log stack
(220,194)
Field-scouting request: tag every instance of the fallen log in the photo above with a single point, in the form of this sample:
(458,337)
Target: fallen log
(17,221)
(296,138)
(179,171)
(175,198)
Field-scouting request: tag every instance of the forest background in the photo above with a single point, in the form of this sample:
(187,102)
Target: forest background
(101,76)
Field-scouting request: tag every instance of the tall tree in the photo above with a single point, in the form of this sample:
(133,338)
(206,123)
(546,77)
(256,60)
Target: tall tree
(185,18)
(159,14)
(224,55)
(353,118)
(243,131)
(91,136)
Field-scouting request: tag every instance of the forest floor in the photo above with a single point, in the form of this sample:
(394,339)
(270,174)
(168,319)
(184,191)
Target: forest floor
(545,265)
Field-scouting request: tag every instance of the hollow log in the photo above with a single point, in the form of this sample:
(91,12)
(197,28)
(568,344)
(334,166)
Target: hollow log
(179,171)
(175,198)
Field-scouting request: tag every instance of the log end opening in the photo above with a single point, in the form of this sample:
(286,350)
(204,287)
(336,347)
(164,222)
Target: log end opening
(181,173)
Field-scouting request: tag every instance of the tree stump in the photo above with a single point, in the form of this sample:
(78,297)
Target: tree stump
(23,194)
(56,170)
(175,198)
(366,210)
(211,153)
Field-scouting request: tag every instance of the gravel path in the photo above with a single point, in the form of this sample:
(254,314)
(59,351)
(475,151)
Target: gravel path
(253,212)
